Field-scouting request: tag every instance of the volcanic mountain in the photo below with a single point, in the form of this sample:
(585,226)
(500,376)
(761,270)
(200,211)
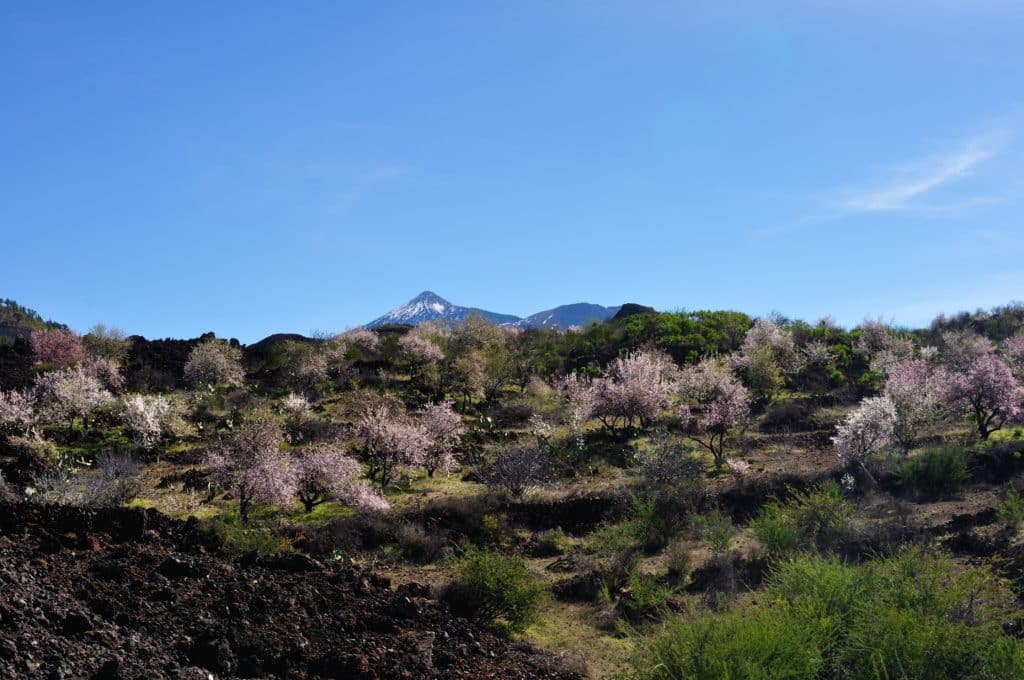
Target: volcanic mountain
(428,306)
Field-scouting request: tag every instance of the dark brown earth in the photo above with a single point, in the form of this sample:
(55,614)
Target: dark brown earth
(134,594)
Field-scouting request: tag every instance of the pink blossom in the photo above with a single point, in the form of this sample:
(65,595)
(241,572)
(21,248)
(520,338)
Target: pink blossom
(56,347)
(420,349)
(987,391)
(391,443)
(1012,351)
(443,427)
(324,472)
(916,390)
(249,463)
(363,339)
(714,404)
(106,371)
(737,467)
(635,389)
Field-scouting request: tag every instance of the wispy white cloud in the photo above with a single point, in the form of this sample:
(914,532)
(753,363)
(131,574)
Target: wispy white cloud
(913,181)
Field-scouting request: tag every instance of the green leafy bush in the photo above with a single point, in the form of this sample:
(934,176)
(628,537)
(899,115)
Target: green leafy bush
(815,520)
(913,615)
(550,543)
(716,532)
(644,527)
(646,598)
(494,589)
(936,472)
(1010,512)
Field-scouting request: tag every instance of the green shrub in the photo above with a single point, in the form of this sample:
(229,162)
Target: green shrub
(936,472)
(550,543)
(1010,512)
(716,532)
(678,559)
(493,589)
(913,615)
(650,528)
(814,520)
(646,598)
(643,528)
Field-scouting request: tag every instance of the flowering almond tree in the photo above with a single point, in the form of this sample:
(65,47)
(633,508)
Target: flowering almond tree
(107,371)
(362,339)
(916,390)
(444,427)
(248,462)
(391,443)
(147,417)
(767,356)
(865,433)
(419,349)
(70,393)
(987,391)
(17,410)
(214,362)
(57,347)
(634,390)
(714,405)
(1012,351)
(325,473)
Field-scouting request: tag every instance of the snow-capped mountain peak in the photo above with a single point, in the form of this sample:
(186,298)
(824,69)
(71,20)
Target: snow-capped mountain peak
(429,306)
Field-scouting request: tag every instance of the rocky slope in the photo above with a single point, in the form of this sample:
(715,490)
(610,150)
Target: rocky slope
(133,594)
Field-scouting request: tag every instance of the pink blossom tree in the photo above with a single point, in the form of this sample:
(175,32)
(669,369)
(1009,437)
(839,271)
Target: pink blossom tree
(55,347)
(443,427)
(215,362)
(916,390)
(866,433)
(391,443)
(715,404)
(249,463)
(325,473)
(362,339)
(960,349)
(638,387)
(987,391)
(1012,351)
(419,349)
(107,371)
(634,390)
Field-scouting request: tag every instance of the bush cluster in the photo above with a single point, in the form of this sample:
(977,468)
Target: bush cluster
(815,520)
(913,615)
(936,472)
(494,589)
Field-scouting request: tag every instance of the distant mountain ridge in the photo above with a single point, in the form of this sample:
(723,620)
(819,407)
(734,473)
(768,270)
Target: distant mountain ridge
(429,306)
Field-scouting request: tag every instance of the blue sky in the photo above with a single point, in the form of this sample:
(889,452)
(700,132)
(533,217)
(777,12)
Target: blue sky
(250,168)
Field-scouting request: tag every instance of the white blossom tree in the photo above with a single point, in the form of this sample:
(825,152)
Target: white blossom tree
(215,362)
(866,433)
